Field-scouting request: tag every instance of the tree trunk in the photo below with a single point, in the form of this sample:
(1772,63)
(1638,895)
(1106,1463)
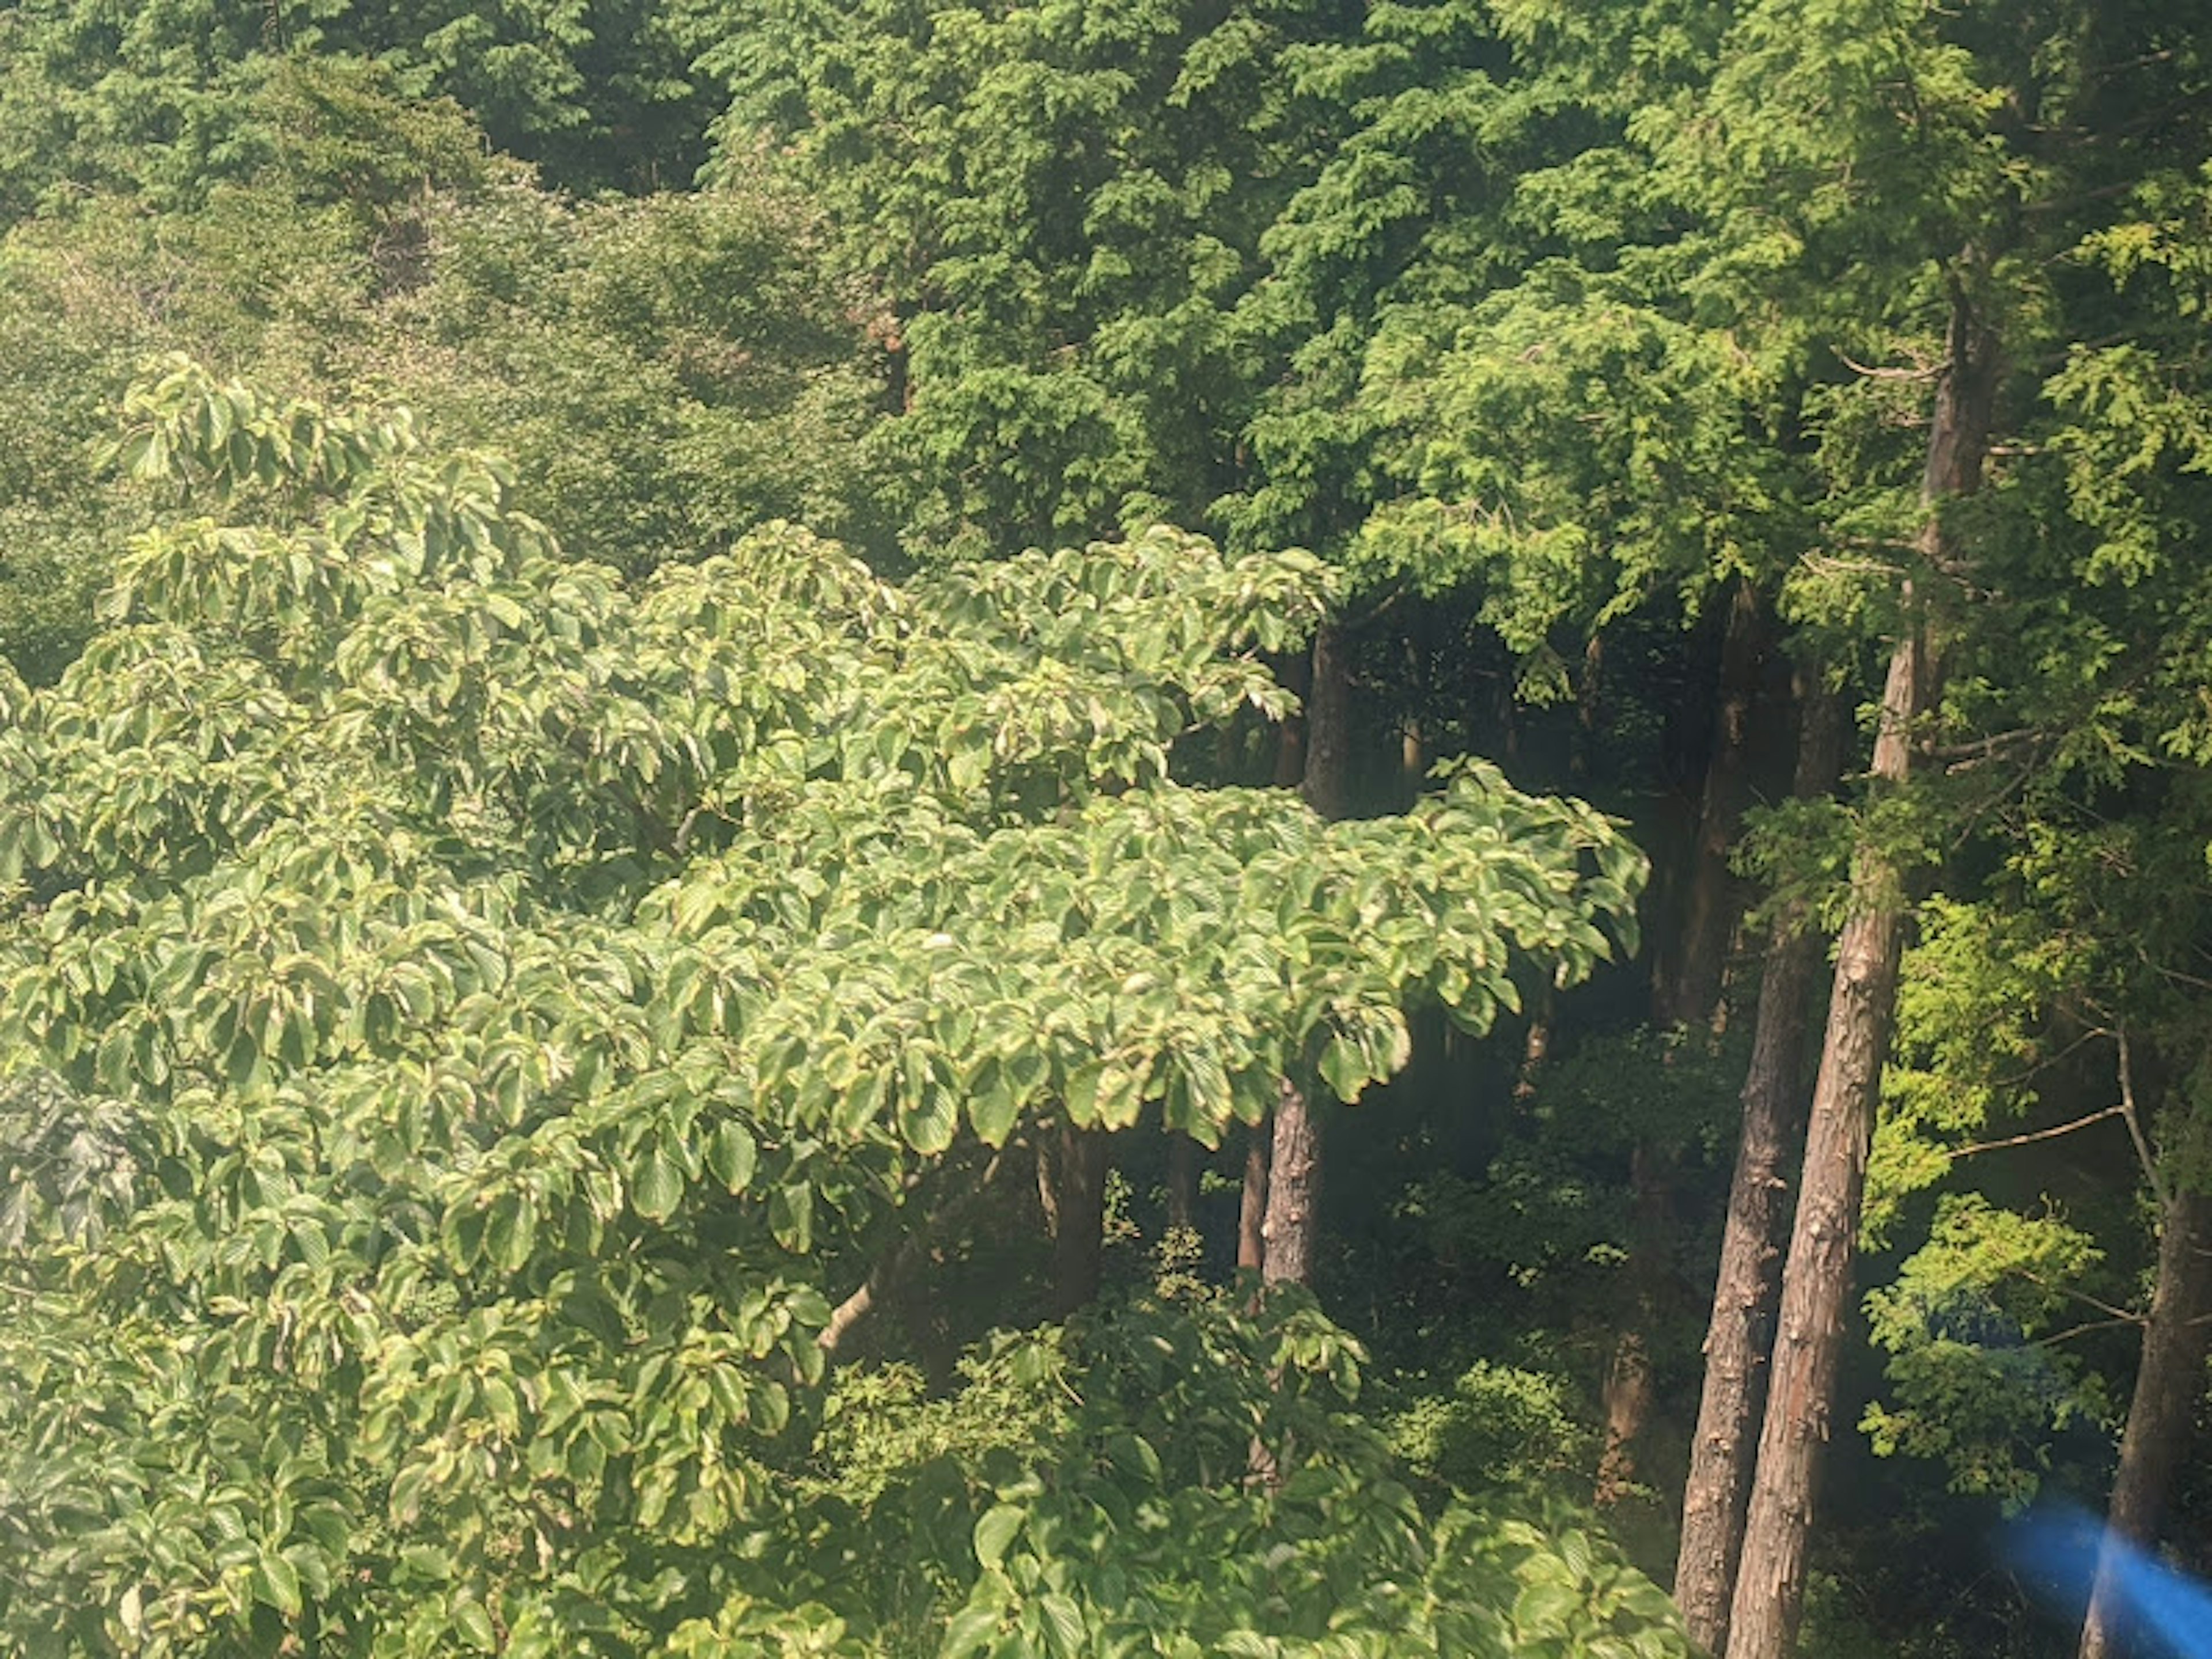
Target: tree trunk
(1182,1180)
(1689,991)
(2162,1414)
(1741,1327)
(1536,1044)
(1290,735)
(1628,1386)
(1072,1183)
(1294,1164)
(1627,1404)
(1770,1586)
(1251,1207)
(1589,710)
(1328,722)
(1293,1190)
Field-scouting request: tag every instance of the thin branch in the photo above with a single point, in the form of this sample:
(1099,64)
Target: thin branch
(2039,1135)
(1924,372)
(2019,1079)
(2117,1316)
(895,1265)
(2073,1331)
(2134,1120)
(1984,747)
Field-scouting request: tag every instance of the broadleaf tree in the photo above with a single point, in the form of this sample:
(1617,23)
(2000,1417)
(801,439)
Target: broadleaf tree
(465,1018)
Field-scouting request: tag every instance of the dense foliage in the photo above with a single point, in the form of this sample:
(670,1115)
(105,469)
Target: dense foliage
(505,1002)
(584,1067)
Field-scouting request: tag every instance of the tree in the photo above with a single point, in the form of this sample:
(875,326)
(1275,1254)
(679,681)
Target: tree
(1740,1331)
(2089,934)
(671,372)
(492,1006)
(161,96)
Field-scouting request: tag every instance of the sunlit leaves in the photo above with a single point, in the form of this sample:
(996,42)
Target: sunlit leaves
(475,1006)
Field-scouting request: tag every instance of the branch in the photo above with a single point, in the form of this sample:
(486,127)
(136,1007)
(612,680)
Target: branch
(895,1265)
(2135,1122)
(2057,1336)
(2039,1135)
(2116,1315)
(1922,372)
(1981,748)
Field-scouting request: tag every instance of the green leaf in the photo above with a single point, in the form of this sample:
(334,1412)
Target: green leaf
(474,1623)
(657,1187)
(510,1232)
(993,1109)
(1544,1608)
(1343,1069)
(791,1217)
(930,1125)
(732,1154)
(995,1531)
(1063,1624)
(967,1630)
(277,1583)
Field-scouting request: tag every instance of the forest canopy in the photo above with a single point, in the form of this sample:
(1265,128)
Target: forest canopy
(1063,828)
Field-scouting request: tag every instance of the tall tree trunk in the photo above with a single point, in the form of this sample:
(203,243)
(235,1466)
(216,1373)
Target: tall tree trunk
(1072,1184)
(2161,1416)
(1689,990)
(1182,1180)
(1293,1190)
(1770,1586)
(1329,726)
(1535,1044)
(1294,1165)
(1252,1206)
(1290,735)
(1627,1395)
(1589,710)
(1741,1327)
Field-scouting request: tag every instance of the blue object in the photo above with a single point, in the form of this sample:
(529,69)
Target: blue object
(2157,1612)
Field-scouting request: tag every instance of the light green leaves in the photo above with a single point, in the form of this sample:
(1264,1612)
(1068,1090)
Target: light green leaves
(516,1002)
(732,1154)
(995,1531)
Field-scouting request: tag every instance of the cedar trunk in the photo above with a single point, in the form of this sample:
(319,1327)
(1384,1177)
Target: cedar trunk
(2161,1415)
(1072,1182)
(1745,1291)
(1182,1180)
(1252,1206)
(1690,992)
(1327,725)
(1687,992)
(1294,1164)
(1770,1586)
(1628,1390)
(1293,1190)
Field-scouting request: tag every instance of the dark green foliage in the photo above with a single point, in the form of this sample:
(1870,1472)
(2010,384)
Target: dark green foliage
(163,96)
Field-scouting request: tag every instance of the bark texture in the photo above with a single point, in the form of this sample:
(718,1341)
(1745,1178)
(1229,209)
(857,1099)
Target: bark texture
(1690,992)
(1770,1588)
(1327,725)
(1182,1180)
(1741,1327)
(1627,1403)
(1252,1206)
(1072,1184)
(1686,992)
(1293,1190)
(1294,1163)
(2161,1416)
(1628,1392)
